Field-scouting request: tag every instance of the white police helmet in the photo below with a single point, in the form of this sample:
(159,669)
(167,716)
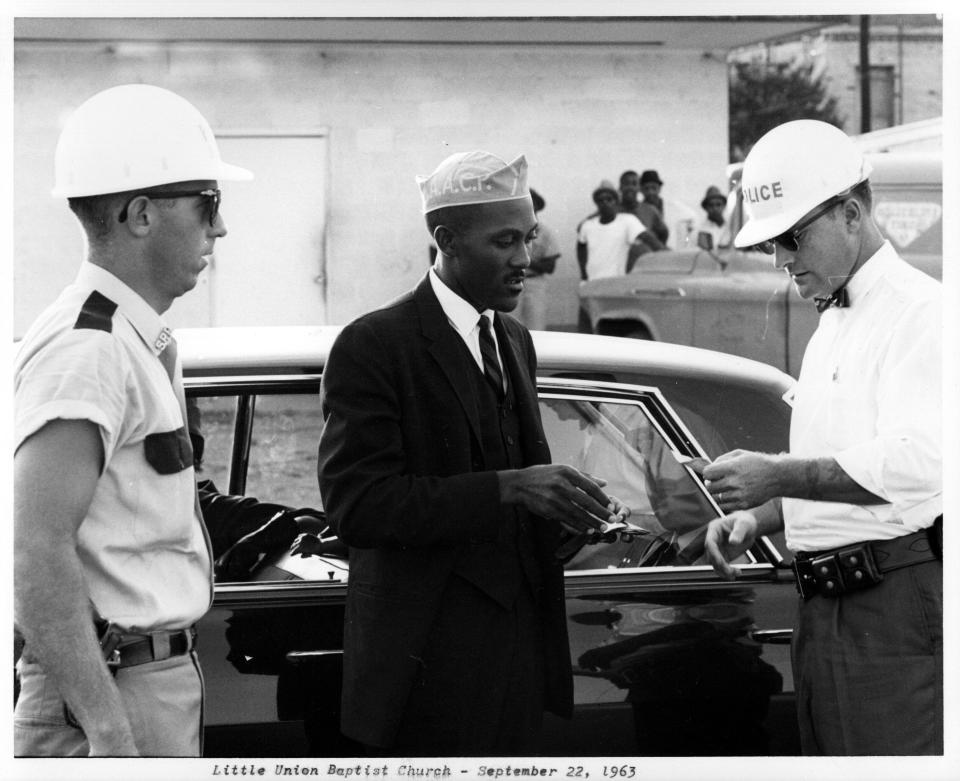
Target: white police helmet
(790,170)
(136,136)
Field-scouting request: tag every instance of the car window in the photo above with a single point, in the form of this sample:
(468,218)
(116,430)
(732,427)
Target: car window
(283,450)
(619,442)
(721,416)
(212,419)
(616,440)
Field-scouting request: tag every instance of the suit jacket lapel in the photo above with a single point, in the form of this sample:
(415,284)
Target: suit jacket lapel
(447,348)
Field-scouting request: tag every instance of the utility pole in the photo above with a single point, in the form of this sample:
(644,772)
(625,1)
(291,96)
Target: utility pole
(865,109)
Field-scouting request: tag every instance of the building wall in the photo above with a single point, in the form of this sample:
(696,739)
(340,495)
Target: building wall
(581,113)
(914,54)
(911,45)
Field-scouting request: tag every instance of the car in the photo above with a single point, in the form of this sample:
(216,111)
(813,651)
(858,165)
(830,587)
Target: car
(736,301)
(669,659)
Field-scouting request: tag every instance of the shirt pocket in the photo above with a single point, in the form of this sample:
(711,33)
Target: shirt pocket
(168,452)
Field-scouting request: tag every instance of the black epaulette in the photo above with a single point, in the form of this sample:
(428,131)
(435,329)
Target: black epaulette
(97,313)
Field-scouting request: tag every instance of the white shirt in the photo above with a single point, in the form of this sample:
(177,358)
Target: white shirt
(719,233)
(869,395)
(144,552)
(608,244)
(464,318)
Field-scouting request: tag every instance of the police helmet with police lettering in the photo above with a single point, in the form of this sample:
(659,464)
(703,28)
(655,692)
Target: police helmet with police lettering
(792,169)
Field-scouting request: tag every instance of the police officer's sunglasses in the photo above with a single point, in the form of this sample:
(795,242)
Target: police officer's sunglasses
(212,197)
(790,240)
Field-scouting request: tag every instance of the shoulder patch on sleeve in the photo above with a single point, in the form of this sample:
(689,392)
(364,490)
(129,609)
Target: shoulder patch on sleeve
(97,313)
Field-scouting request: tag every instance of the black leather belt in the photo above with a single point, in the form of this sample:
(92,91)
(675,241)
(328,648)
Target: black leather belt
(132,650)
(831,573)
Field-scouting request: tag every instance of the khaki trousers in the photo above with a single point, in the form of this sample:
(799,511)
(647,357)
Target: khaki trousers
(163,700)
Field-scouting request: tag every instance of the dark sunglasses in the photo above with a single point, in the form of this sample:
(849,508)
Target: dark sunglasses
(790,240)
(212,196)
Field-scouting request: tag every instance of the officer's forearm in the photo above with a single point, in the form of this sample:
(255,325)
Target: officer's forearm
(51,602)
(821,479)
(52,611)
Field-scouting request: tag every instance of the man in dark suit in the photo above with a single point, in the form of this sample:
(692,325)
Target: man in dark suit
(434,464)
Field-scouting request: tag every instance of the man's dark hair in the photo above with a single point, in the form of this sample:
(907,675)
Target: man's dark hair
(451,216)
(625,174)
(96,213)
(538,202)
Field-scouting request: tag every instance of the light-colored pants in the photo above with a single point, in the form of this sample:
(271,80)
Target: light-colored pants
(532,309)
(163,700)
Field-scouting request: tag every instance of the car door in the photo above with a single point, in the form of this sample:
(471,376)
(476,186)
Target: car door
(661,647)
(668,658)
(272,645)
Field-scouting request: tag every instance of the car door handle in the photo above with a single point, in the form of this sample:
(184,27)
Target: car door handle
(301,656)
(667,292)
(772,636)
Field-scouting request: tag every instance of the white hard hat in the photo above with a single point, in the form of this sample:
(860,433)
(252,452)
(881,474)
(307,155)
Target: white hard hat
(790,170)
(136,136)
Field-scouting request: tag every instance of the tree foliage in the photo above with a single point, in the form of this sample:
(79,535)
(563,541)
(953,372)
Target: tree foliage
(766,94)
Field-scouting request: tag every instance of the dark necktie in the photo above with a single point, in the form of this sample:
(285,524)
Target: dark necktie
(837,298)
(488,349)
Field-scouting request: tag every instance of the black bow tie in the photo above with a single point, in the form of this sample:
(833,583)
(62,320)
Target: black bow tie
(837,298)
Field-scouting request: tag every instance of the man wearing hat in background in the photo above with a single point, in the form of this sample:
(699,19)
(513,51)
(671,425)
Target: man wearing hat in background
(860,493)
(434,465)
(108,539)
(657,232)
(650,185)
(713,232)
(609,243)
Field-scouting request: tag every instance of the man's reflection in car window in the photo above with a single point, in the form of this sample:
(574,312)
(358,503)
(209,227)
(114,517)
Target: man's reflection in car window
(619,443)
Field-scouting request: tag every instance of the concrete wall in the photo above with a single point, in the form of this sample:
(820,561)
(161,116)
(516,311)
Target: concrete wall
(911,45)
(579,112)
(916,57)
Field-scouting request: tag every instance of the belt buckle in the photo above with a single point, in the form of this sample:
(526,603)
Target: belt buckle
(160,648)
(806,586)
(110,646)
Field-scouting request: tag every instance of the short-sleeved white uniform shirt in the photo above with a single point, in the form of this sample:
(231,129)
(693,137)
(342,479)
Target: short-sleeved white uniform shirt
(94,355)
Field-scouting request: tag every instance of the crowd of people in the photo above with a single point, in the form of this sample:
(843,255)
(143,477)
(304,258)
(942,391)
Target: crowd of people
(433,464)
(628,223)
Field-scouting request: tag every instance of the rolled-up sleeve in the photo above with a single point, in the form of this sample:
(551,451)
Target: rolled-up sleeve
(902,462)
